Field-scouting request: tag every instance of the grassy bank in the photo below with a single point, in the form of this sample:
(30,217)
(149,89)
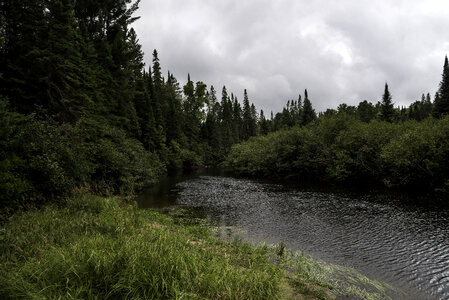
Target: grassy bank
(93,247)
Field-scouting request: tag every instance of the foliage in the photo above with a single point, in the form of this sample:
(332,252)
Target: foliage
(341,148)
(41,159)
(418,156)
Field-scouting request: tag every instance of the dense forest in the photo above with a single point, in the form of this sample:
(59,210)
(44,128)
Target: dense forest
(79,110)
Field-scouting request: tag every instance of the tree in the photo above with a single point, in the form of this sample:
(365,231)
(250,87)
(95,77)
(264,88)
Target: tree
(246,116)
(212,133)
(236,120)
(253,128)
(308,113)
(263,124)
(441,105)
(226,121)
(387,109)
(366,111)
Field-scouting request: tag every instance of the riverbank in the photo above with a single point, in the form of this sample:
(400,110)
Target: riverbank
(96,247)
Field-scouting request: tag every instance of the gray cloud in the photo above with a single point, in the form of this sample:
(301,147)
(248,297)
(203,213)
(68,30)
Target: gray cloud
(341,51)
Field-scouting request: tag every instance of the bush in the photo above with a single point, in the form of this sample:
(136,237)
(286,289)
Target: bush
(41,159)
(419,155)
(343,149)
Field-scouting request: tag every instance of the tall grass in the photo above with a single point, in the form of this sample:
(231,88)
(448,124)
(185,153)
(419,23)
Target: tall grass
(103,248)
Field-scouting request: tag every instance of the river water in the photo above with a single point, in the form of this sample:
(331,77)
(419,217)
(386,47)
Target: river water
(401,240)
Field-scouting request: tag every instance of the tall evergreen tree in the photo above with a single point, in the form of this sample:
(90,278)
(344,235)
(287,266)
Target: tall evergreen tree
(441,104)
(264,127)
(212,133)
(174,118)
(387,109)
(236,120)
(308,113)
(253,127)
(248,121)
(226,121)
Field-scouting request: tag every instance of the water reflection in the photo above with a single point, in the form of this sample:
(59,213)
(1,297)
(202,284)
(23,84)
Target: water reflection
(377,234)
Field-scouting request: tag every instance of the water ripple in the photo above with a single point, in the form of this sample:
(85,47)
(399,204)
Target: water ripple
(405,244)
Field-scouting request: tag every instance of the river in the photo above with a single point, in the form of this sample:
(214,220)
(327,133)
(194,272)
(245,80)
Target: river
(402,240)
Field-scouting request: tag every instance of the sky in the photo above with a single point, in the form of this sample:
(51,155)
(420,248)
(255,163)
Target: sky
(340,51)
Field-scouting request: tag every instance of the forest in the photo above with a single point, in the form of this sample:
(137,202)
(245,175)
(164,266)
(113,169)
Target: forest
(79,110)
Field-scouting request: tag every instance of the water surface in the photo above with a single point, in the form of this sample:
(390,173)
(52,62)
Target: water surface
(391,238)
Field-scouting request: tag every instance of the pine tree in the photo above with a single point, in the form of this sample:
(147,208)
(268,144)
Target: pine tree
(387,109)
(441,104)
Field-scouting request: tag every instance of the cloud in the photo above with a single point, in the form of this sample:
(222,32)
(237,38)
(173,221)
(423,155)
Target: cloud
(341,51)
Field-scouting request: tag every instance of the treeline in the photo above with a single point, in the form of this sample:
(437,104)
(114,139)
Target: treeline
(78,109)
(296,114)
(376,144)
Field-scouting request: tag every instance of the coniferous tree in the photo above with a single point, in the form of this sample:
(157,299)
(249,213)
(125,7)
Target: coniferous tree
(248,121)
(253,126)
(236,120)
(22,63)
(264,127)
(189,107)
(441,104)
(387,109)
(308,113)
(226,121)
(156,98)
(212,126)
(174,114)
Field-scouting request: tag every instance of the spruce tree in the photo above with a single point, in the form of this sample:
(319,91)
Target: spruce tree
(237,120)
(253,125)
(190,127)
(308,113)
(174,118)
(263,124)
(441,104)
(226,121)
(387,109)
(247,117)
(212,126)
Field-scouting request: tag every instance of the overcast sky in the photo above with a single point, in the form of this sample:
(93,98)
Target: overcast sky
(340,51)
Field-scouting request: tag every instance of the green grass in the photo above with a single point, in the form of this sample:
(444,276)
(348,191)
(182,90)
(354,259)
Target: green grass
(105,248)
